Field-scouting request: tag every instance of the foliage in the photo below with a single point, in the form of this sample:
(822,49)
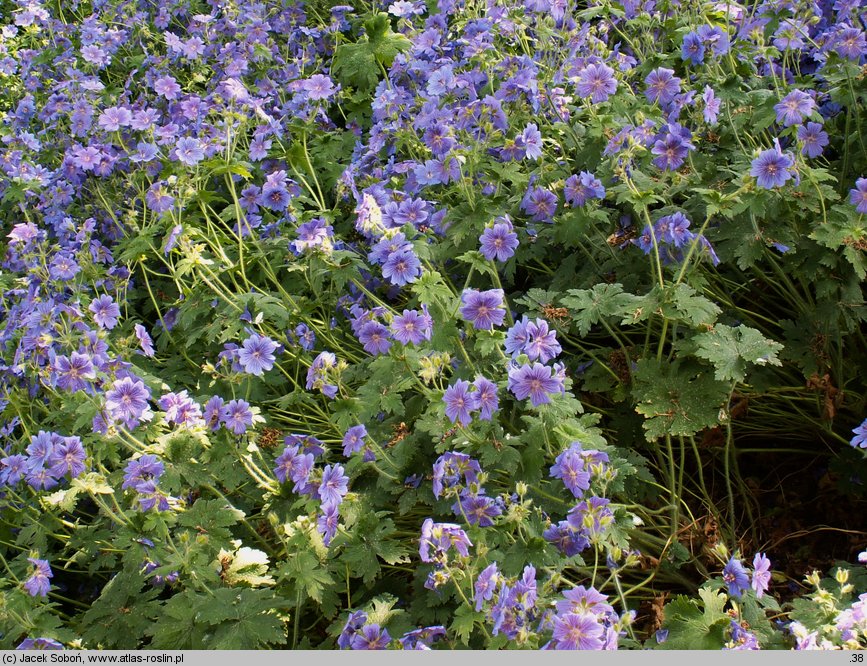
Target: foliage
(443,325)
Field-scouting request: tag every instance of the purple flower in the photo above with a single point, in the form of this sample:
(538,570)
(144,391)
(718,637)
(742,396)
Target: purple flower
(814,139)
(144,340)
(536,382)
(459,402)
(12,469)
(327,523)
(67,457)
(181,409)
(715,36)
(850,43)
(574,631)
(692,48)
(735,577)
(314,235)
(412,327)
(579,188)
(39,644)
(318,86)
(741,639)
(256,354)
(410,211)
(115,117)
(105,311)
(478,509)
(151,497)
(596,82)
(516,337)
(485,585)
(275,196)
(483,308)
(294,466)
(662,85)
(370,637)
(858,195)
(567,540)
(374,338)
(63,267)
(498,242)
(583,601)
(388,246)
(158,199)
(674,229)
(794,107)
(189,151)
(167,87)
(671,150)
(591,516)
(761,574)
(531,138)
(237,416)
(334,485)
(354,623)
(38,583)
(353,440)
(304,336)
(420,639)
(127,399)
(540,204)
(711,105)
(771,168)
(73,371)
(401,267)
(211,413)
(485,398)
(441,537)
(318,375)
(145,152)
(569,466)
(40,447)
(541,343)
(144,468)
(860,438)
(450,467)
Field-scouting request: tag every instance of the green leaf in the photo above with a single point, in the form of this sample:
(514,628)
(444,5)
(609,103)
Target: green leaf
(694,625)
(371,541)
(591,306)
(731,350)
(243,619)
(675,400)
(120,616)
(430,288)
(463,622)
(360,64)
(308,573)
(211,517)
(684,303)
(478,262)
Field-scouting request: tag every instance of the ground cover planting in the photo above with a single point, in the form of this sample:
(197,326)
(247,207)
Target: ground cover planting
(455,324)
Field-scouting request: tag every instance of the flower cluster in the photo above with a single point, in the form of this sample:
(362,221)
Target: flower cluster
(329,486)
(463,398)
(49,458)
(460,476)
(142,475)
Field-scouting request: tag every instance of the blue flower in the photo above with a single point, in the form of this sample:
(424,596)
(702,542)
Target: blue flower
(771,168)
(692,49)
(860,438)
(256,354)
(736,578)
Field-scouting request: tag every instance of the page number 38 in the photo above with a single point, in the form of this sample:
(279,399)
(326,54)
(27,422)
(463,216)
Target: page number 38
(857,658)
